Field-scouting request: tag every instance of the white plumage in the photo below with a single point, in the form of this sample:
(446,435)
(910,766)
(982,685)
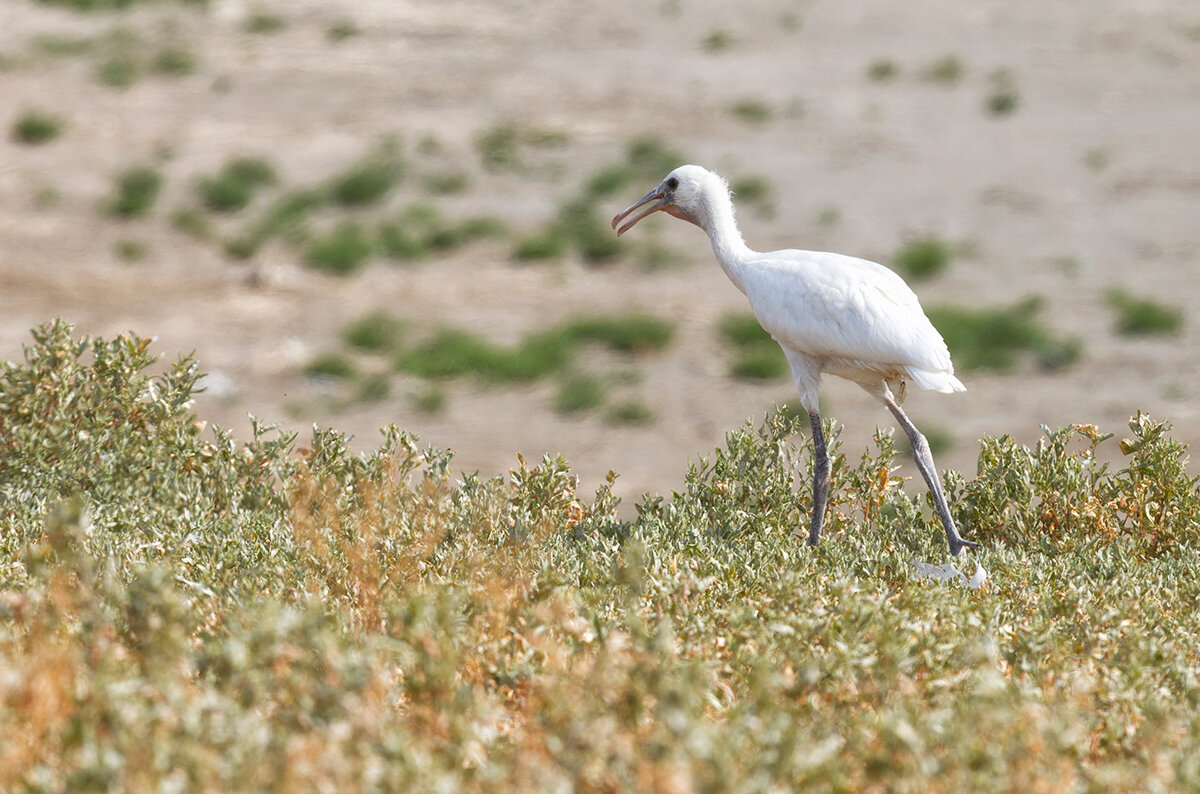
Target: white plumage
(830,313)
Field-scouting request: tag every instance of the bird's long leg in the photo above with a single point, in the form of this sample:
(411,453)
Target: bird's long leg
(822,468)
(924,460)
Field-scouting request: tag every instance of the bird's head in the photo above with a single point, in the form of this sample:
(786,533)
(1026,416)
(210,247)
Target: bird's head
(686,193)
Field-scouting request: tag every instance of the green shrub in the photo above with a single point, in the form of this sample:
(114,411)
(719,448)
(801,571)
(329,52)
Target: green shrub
(119,70)
(882,69)
(923,257)
(264,22)
(578,393)
(1142,316)
(1003,98)
(993,337)
(234,186)
(717,41)
(368,181)
(130,250)
(755,355)
(751,111)
(176,599)
(174,61)
(947,69)
(331,365)
(453,352)
(631,412)
(342,251)
(137,190)
(341,30)
(36,127)
(192,222)
(548,244)
(377,331)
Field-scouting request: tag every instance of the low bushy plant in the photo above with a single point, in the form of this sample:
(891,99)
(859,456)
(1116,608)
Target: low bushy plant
(178,608)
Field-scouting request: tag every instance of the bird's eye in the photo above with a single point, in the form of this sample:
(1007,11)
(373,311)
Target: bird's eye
(672,183)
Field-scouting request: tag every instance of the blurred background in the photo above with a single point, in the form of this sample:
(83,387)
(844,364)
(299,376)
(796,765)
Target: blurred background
(380,211)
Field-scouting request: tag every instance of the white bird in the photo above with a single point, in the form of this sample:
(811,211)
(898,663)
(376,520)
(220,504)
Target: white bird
(830,313)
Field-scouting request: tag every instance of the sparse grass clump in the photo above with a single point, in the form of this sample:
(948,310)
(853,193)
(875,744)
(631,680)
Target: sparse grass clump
(130,250)
(502,147)
(261,22)
(756,356)
(331,365)
(577,393)
(342,251)
(236,607)
(35,127)
(631,413)
(1003,98)
(947,69)
(452,352)
(368,181)
(234,186)
(717,41)
(118,70)
(375,332)
(923,257)
(882,69)
(751,111)
(994,337)
(137,189)
(174,60)
(1142,316)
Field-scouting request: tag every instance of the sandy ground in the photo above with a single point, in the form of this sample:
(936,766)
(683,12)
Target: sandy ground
(1093,182)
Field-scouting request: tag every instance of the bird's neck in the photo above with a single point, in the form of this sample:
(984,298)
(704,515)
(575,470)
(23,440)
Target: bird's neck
(730,249)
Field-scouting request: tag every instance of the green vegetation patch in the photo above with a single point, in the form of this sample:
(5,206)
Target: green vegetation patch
(923,257)
(378,331)
(369,180)
(227,602)
(452,352)
(234,186)
(136,191)
(995,337)
(756,356)
(1143,317)
(36,127)
(341,252)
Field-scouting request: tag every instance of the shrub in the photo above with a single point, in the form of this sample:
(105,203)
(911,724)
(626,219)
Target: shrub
(992,338)
(751,111)
(947,69)
(631,412)
(234,186)
(923,257)
(174,61)
(237,606)
(36,127)
(137,190)
(756,356)
(119,70)
(377,331)
(882,69)
(331,365)
(342,251)
(578,393)
(368,181)
(1142,316)
(264,22)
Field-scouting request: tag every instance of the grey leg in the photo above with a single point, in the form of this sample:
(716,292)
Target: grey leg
(822,468)
(924,460)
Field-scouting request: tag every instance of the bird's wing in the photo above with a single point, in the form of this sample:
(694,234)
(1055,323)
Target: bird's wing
(831,305)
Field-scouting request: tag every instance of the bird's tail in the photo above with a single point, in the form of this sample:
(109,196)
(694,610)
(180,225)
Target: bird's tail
(936,381)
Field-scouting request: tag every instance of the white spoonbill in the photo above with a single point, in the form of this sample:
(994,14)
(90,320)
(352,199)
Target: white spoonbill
(830,313)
